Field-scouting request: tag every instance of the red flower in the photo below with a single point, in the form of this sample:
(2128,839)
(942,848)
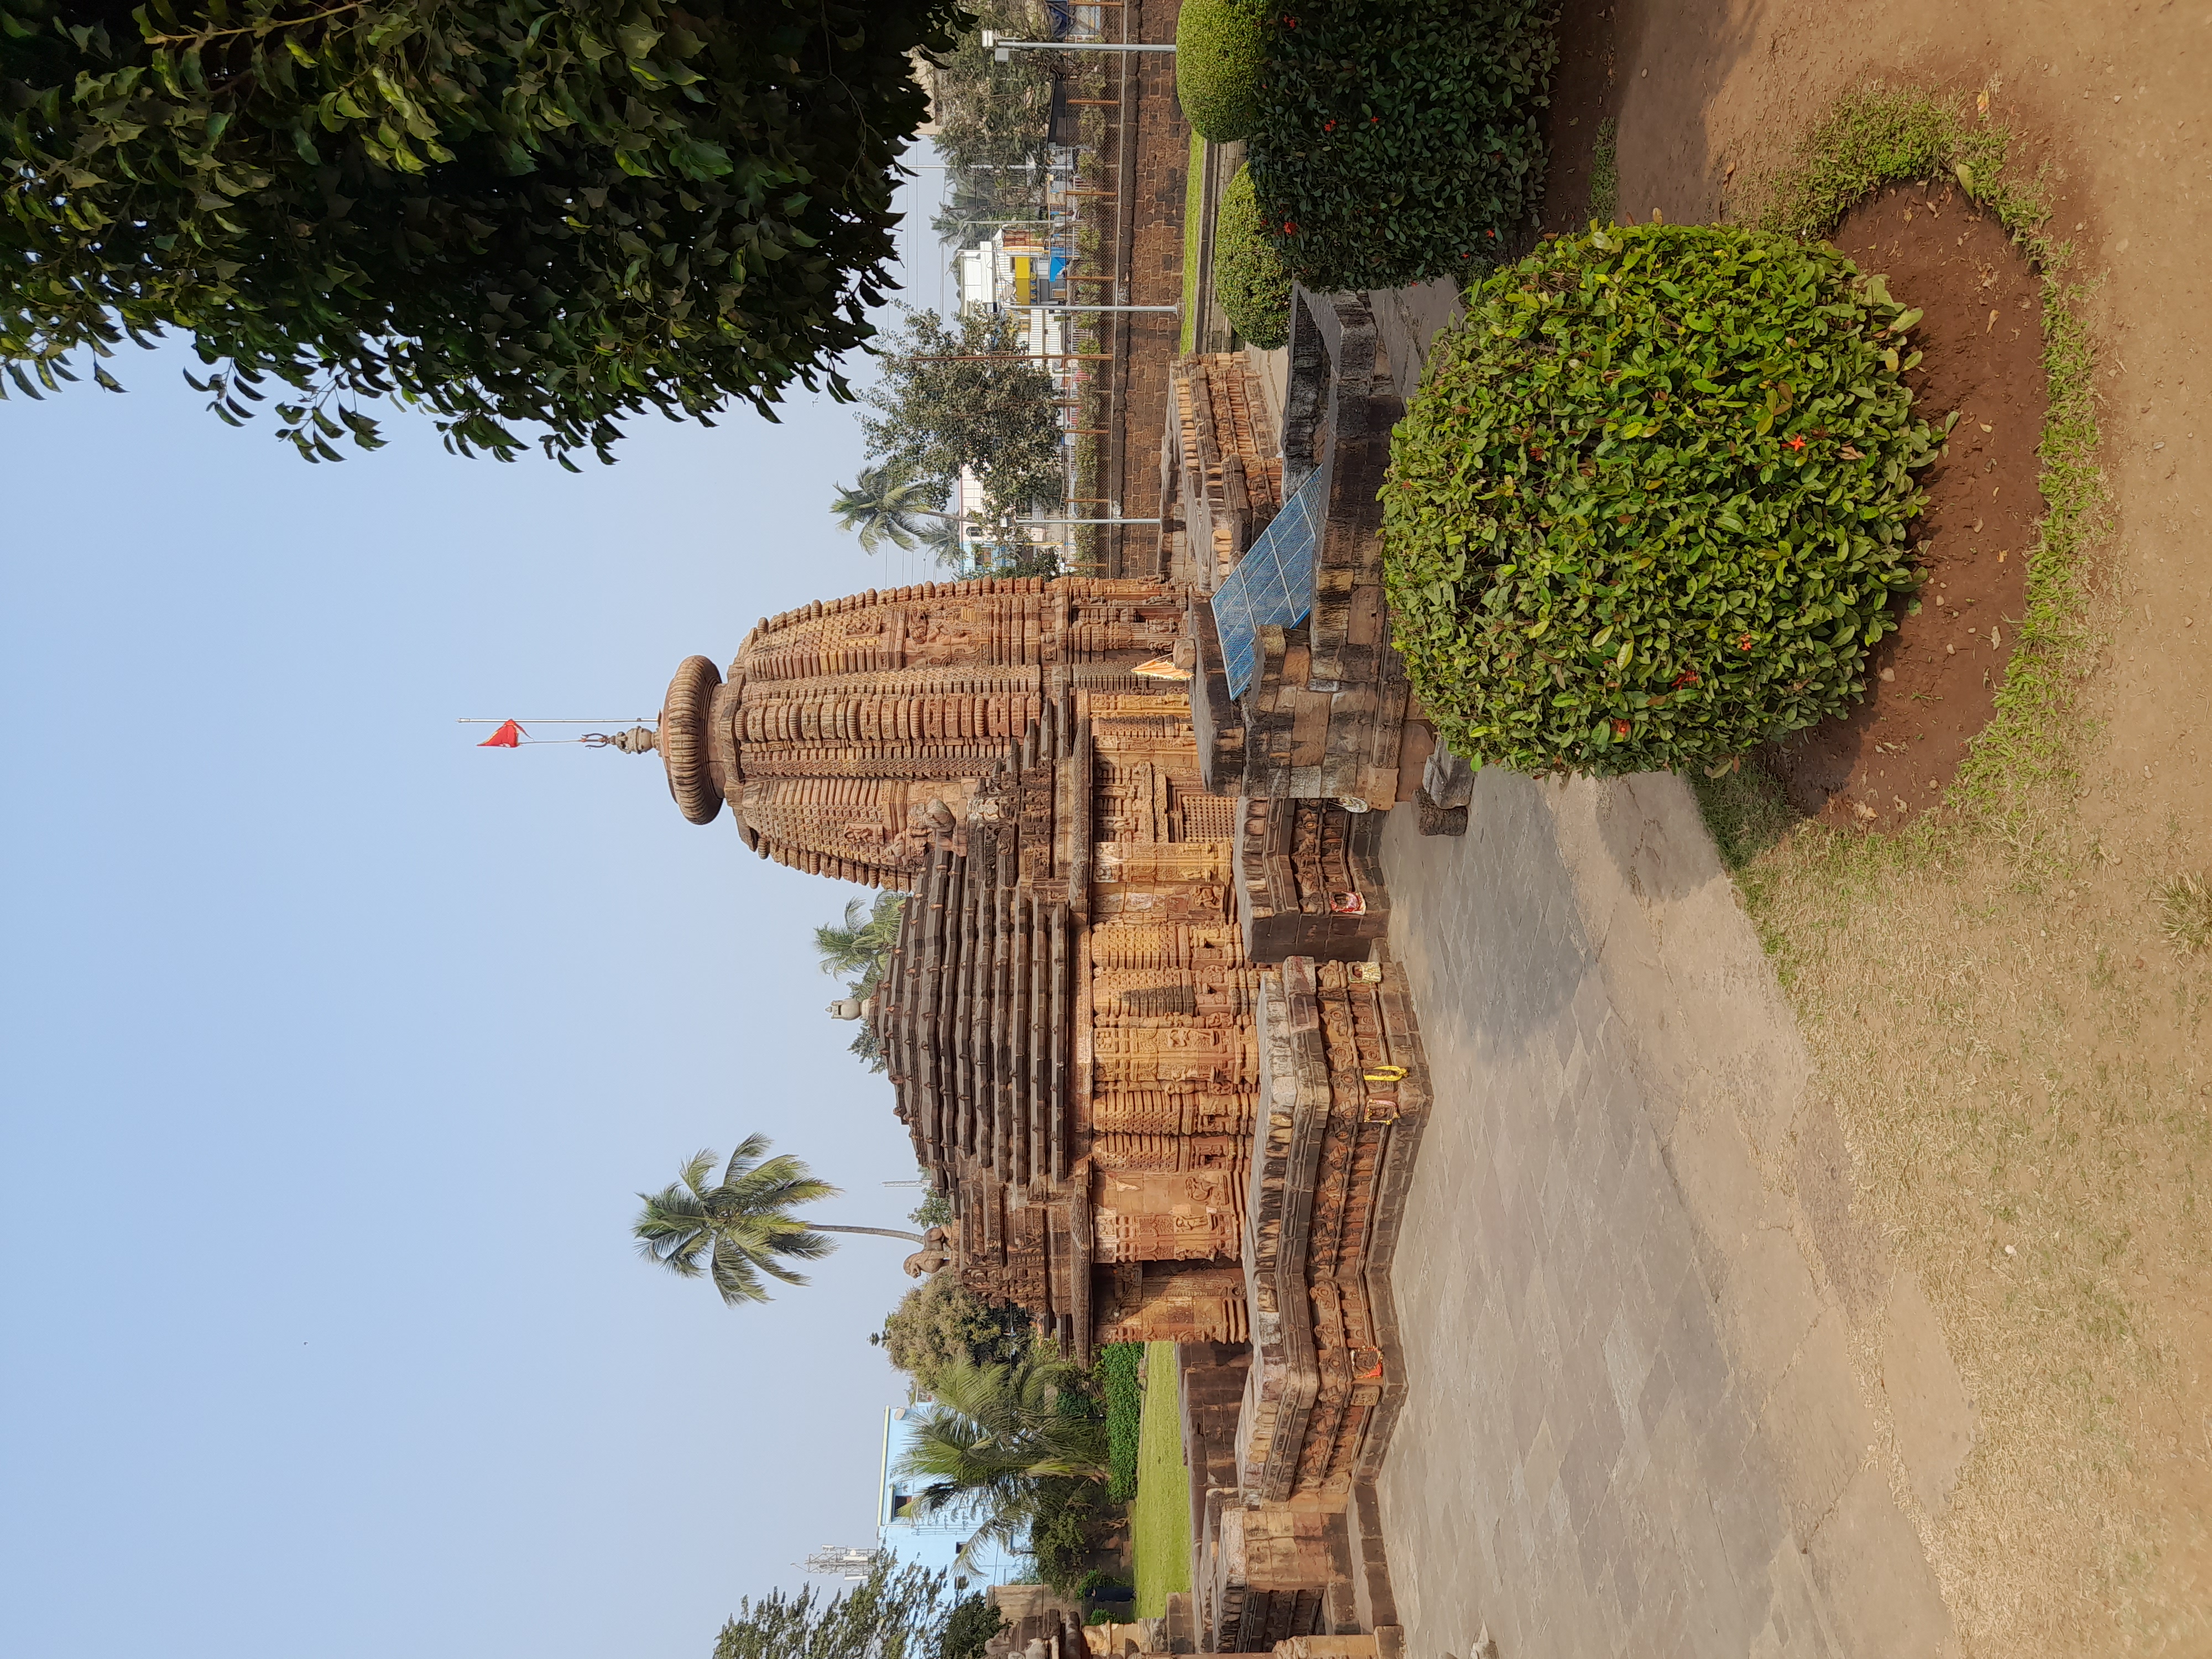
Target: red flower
(1744,644)
(1372,119)
(1621,728)
(1794,441)
(1289,228)
(1328,126)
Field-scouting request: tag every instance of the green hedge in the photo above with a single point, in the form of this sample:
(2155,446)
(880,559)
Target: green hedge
(1221,53)
(1649,507)
(1250,281)
(1397,141)
(1117,1369)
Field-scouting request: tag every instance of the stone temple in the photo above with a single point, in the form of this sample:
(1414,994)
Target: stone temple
(1143,1032)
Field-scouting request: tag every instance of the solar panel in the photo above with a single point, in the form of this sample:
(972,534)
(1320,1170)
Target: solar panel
(1273,583)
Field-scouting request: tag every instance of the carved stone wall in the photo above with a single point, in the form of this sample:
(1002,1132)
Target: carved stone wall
(1223,468)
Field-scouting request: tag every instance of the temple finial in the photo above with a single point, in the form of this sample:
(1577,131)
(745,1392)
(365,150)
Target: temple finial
(638,740)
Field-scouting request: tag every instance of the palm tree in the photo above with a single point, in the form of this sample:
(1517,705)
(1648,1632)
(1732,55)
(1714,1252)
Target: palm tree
(941,540)
(741,1227)
(880,505)
(856,948)
(994,1437)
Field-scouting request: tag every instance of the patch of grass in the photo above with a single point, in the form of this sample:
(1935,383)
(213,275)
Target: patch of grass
(1159,1521)
(1605,173)
(1744,809)
(2185,905)
(1194,225)
(1875,137)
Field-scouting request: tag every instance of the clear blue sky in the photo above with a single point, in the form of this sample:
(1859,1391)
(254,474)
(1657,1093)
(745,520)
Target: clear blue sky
(336,1048)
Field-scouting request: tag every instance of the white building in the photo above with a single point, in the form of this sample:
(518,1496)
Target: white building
(933,1538)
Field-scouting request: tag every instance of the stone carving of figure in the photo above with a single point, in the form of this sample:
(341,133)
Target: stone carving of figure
(935,1254)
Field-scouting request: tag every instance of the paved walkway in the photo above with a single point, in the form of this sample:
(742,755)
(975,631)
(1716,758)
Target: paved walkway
(1668,1395)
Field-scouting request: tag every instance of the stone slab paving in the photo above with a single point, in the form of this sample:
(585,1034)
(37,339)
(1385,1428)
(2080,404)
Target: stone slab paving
(1631,1275)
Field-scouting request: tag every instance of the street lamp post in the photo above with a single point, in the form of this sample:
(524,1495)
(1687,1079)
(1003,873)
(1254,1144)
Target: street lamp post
(1003,49)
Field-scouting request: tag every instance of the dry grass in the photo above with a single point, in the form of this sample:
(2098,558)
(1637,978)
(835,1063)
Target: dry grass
(2185,904)
(2008,1003)
(2018,1061)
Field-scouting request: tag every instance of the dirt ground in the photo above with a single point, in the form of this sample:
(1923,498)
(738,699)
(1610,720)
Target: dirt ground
(1932,684)
(2021,1064)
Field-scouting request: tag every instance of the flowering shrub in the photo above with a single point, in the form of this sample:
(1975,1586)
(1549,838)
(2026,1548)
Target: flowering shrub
(1221,53)
(1396,140)
(1249,278)
(1649,507)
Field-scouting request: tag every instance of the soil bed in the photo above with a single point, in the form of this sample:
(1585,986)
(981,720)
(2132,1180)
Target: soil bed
(1932,684)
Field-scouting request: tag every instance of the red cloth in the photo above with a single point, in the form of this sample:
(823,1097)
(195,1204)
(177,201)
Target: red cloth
(510,736)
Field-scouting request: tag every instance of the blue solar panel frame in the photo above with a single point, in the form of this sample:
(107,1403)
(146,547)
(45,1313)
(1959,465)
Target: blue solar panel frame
(1273,585)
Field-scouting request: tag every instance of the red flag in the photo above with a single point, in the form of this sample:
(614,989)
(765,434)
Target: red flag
(510,736)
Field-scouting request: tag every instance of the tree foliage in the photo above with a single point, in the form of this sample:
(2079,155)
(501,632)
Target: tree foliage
(972,1623)
(1398,139)
(741,1226)
(1650,506)
(859,948)
(895,1613)
(935,1210)
(1000,1443)
(992,414)
(981,199)
(1069,1520)
(878,508)
(514,213)
(990,114)
(939,1323)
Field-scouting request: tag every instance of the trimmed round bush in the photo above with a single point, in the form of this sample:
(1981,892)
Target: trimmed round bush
(1397,140)
(1649,507)
(1221,56)
(1249,278)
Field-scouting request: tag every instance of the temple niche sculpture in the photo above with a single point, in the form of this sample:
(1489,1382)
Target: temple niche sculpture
(1145,1132)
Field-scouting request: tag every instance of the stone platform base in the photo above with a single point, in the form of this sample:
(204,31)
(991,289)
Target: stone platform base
(1286,1529)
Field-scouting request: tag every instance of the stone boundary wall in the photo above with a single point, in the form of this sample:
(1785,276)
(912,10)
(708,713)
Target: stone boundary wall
(1148,230)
